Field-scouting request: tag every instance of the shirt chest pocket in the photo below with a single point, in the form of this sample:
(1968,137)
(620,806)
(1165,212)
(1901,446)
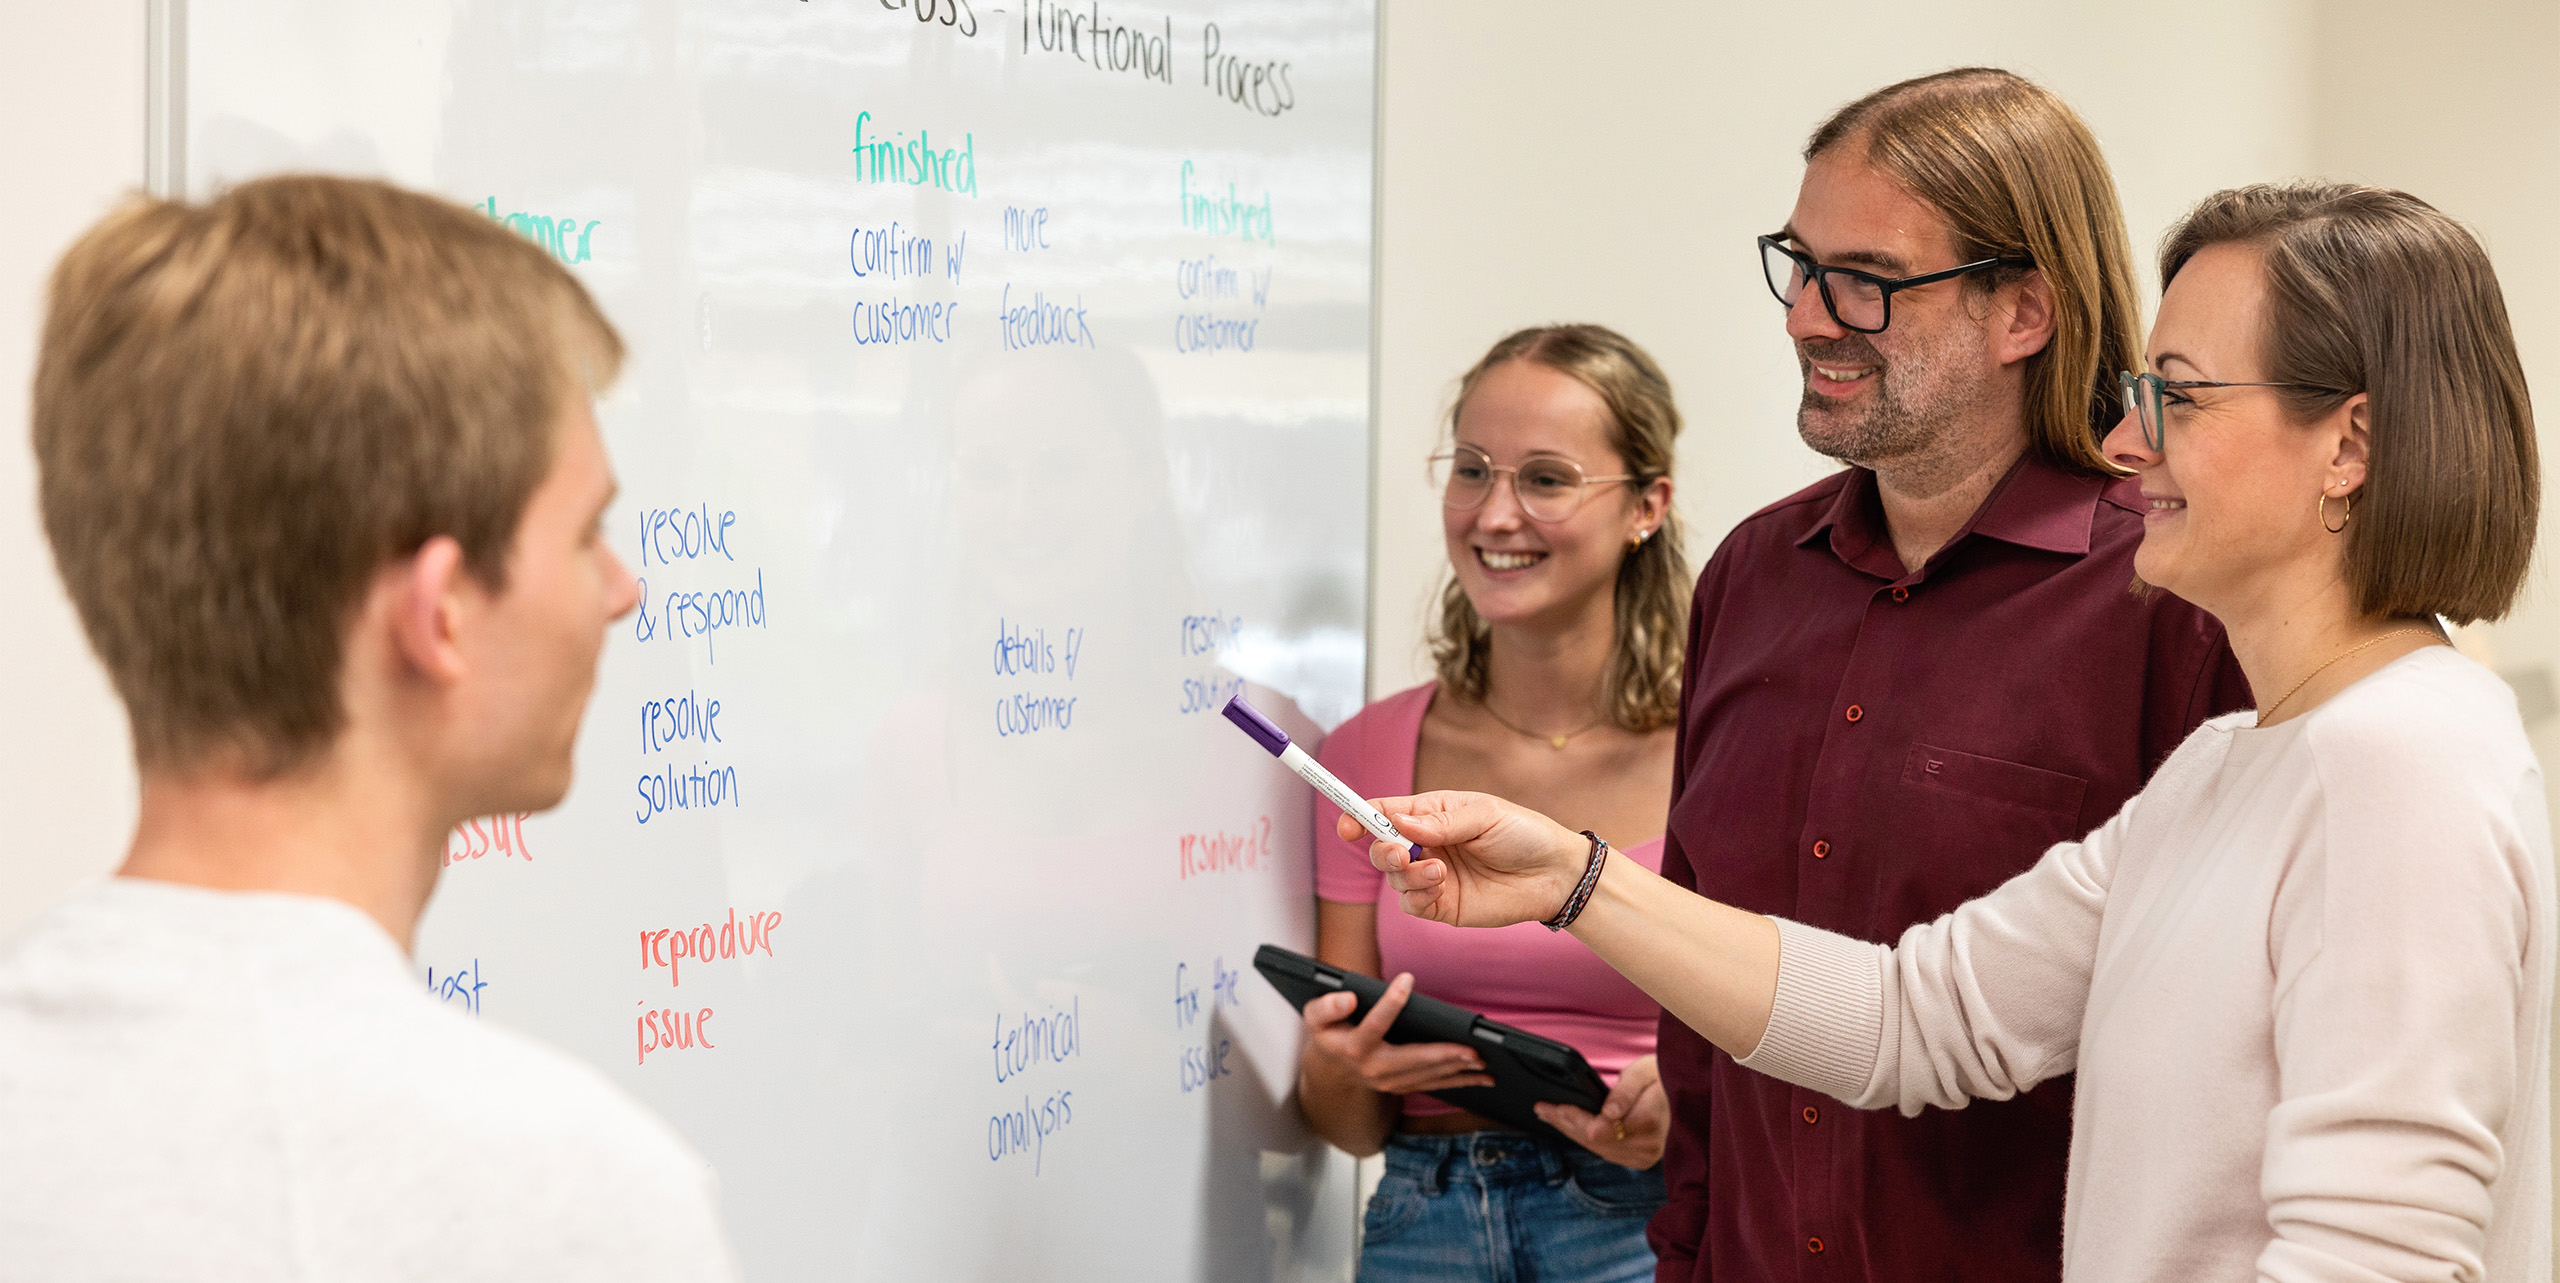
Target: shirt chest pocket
(2032,788)
(1965,823)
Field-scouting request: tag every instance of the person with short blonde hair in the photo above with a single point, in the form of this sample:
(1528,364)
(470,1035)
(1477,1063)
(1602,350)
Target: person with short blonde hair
(318,466)
(1907,680)
(2305,976)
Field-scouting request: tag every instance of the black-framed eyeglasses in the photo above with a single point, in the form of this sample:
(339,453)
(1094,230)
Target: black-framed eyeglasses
(2146,394)
(1861,301)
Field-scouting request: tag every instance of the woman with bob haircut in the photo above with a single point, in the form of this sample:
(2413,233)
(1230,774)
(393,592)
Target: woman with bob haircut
(1558,649)
(2305,976)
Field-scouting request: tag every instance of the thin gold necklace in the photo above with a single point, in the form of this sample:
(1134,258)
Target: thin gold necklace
(2366,644)
(1556,742)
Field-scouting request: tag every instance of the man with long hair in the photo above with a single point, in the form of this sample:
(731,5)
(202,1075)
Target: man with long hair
(1907,680)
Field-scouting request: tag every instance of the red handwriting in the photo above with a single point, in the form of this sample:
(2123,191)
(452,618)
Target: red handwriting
(706,943)
(473,839)
(1223,852)
(668,1029)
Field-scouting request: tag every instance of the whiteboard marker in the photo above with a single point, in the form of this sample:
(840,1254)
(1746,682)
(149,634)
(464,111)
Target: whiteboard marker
(1276,741)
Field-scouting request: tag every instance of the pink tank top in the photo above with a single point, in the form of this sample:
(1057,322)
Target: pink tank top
(1525,975)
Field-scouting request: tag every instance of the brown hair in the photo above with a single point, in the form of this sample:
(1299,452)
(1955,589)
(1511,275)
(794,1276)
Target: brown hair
(2376,291)
(245,407)
(1642,685)
(2016,172)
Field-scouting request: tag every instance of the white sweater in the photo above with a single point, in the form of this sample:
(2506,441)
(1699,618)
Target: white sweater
(2305,978)
(207,1086)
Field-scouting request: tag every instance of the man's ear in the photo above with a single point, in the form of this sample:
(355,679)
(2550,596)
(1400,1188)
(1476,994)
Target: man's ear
(2027,326)
(2354,428)
(428,607)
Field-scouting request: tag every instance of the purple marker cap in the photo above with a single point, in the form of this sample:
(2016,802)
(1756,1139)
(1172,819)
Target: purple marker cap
(1250,720)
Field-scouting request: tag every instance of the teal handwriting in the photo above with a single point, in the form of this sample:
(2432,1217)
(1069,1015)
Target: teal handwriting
(1227,215)
(914,161)
(564,238)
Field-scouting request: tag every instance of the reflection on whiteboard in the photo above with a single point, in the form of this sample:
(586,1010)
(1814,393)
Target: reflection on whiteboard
(997,409)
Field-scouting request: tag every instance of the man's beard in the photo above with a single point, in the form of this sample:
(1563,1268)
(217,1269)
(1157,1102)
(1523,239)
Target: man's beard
(1912,409)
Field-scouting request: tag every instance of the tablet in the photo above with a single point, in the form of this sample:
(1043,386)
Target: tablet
(1526,1068)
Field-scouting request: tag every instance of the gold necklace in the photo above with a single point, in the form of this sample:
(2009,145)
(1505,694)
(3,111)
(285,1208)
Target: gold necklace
(2364,645)
(1556,742)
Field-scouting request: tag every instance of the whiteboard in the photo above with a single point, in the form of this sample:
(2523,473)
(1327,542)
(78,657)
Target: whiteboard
(998,404)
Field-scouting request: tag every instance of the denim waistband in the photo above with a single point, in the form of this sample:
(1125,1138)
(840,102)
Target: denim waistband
(1486,1157)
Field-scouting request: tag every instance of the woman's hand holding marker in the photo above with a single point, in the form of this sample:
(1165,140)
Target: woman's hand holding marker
(1394,1068)
(1485,862)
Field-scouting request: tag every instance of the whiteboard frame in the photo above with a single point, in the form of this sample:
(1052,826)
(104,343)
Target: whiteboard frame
(165,178)
(164,154)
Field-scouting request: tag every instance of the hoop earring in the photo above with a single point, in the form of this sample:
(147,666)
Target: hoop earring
(2347,513)
(1640,537)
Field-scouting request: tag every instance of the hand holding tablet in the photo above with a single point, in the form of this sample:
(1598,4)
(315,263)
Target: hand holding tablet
(1523,1068)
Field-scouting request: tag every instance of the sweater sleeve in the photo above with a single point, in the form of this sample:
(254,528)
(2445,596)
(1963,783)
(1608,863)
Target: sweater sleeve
(1983,1003)
(2406,1005)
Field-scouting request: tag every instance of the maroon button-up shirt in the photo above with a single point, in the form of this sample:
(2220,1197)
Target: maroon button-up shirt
(1862,748)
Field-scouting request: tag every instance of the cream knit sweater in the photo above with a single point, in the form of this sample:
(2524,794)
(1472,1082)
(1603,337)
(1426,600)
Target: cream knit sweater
(2305,978)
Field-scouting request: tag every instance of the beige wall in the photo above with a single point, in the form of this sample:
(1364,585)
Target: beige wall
(2467,115)
(1540,170)
(71,88)
(1537,171)
(1534,171)
(1611,166)
(2469,118)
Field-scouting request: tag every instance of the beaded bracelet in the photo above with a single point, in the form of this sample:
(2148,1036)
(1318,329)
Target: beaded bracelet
(1581,898)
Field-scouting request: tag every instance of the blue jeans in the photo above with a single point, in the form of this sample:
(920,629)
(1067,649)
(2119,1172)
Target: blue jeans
(1507,1208)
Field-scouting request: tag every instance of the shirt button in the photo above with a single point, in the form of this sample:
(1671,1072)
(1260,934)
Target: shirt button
(1856,712)
(1812,1115)
(1821,850)
(1902,594)
(1813,1245)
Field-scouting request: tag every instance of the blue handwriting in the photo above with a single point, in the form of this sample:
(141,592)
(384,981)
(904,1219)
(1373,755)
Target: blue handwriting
(678,717)
(1204,635)
(679,788)
(1053,1037)
(1205,1063)
(669,535)
(1027,1130)
(1041,323)
(462,986)
(684,614)
(1026,229)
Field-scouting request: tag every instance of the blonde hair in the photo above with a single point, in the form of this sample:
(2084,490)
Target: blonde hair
(245,407)
(2016,172)
(1641,687)
(2376,291)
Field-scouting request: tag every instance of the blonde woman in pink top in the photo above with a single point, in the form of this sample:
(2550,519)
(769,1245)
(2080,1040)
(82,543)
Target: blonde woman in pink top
(1558,649)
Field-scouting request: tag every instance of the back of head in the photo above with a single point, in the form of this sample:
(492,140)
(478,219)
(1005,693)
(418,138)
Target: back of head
(2017,173)
(2377,292)
(245,407)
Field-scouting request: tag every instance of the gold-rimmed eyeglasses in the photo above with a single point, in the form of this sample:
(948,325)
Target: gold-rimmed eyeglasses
(1550,487)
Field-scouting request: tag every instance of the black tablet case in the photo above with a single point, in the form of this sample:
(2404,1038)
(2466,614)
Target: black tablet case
(1526,1068)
